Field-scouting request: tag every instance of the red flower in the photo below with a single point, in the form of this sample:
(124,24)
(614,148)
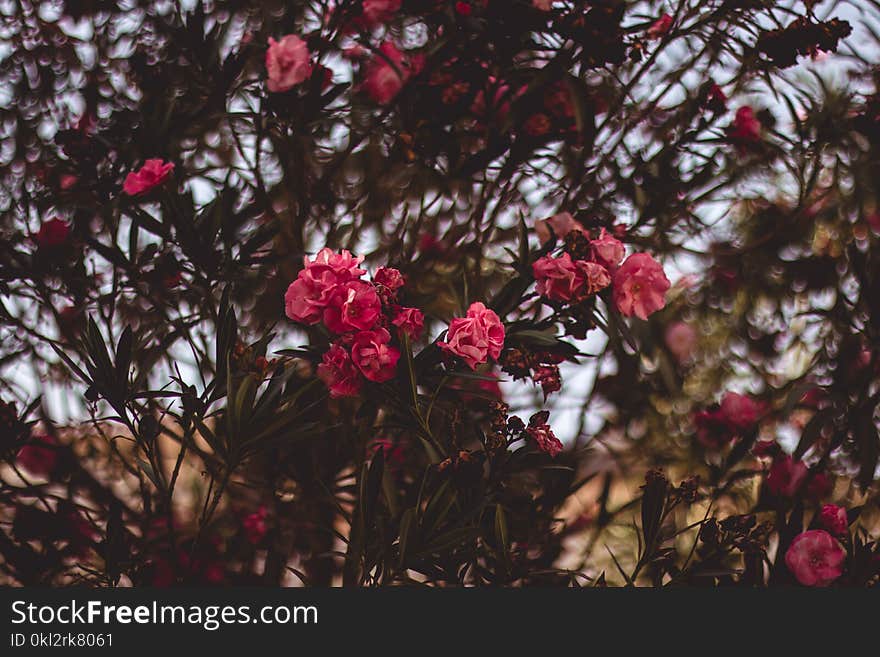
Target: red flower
(562,279)
(410,321)
(387,72)
(640,286)
(607,250)
(339,373)
(152,174)
(39,456)
(390,278)
(352,306)
(255,526)
(539,431)
(52,234)
(660,27)
(745,129)
(463,9)
(815,558)
(374,357)
(476,337)
(833,518)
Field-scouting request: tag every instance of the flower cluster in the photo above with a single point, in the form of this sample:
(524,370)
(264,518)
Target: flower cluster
(802,37)
(587,266)
(329,290)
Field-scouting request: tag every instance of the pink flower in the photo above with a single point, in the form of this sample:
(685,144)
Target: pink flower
(52,234)
(815,558)
(352,306)
(746,128)
(374,357)
(660,27)
(562,279)
(740,412)
(339,374)
(640,286)
(376,12)
(607,251)
(476,337)
(390,278)
(287,63)
(307,297)
(562,224)
(833,518)
(255,526)
(681,339)
(387,72)
(152,174)
(410,321)
(543,5)
(39,455)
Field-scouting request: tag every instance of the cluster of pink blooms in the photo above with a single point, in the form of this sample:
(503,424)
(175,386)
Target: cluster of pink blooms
(289,62)
(736,415)
(329,290)
(639,284)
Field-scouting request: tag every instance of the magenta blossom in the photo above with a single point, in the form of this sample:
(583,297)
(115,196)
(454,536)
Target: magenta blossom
(410,321)
(476,337)
(640,286)
(152,174)
(815,558)
(339,373)
(352,306)
(374,357)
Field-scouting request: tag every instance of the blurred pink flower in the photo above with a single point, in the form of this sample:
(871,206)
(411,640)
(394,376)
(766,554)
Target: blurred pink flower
(387,72)
(287,63)
(681,339)
(562,224)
